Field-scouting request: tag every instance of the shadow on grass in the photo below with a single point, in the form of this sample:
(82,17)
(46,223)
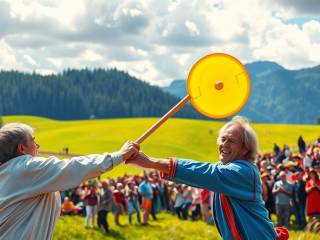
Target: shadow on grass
(115,234)
(154,226)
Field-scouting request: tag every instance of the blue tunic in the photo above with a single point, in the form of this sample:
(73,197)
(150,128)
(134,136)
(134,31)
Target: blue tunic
(238,207)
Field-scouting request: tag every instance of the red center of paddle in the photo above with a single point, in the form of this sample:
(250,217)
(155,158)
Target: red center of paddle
(218,85)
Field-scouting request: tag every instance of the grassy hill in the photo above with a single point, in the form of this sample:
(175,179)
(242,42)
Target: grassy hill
(195,139)
(177,137)
(167,227)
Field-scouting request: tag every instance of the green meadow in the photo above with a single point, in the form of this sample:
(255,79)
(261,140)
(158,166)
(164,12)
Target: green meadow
(183,138)
(167,227)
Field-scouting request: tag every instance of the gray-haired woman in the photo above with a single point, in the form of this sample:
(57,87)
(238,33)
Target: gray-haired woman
(30,185)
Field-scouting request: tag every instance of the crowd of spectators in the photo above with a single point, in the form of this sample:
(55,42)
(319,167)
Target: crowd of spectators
(290,181)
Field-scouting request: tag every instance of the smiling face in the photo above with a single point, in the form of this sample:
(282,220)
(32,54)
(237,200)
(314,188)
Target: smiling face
(230,144)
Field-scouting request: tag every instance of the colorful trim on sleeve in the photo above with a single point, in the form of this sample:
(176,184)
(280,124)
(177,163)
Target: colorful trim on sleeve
(172,170)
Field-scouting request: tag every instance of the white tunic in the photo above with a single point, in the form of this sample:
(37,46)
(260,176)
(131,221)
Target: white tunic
(29,197)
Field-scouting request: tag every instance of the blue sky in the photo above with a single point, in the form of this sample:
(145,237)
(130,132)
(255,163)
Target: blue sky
(300,21)
(156,41)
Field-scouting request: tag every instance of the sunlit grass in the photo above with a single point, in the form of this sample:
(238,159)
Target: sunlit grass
(183,138)
(167,227)
(194,139)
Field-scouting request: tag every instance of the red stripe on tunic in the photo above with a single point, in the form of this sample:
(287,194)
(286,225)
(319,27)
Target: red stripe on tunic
(228,212)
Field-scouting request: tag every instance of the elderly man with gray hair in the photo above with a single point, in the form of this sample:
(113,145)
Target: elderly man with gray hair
(30,185)
(238,207)
(283,190)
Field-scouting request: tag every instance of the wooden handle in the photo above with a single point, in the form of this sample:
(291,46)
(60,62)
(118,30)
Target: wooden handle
(171,112)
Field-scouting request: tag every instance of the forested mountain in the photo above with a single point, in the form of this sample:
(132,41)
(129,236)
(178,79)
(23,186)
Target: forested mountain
(277,95)
(84,94)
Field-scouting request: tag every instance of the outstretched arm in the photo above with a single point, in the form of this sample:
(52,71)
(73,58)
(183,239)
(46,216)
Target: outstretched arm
(144,161)
(49,175)
(234,179)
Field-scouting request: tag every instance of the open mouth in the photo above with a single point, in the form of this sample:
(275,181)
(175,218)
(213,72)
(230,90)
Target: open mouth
(225,152)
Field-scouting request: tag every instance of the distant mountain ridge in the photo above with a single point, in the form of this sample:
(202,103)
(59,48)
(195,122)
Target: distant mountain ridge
(277,95)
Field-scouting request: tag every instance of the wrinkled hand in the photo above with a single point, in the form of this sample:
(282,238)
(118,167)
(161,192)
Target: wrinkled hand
(129,150)
(141,160)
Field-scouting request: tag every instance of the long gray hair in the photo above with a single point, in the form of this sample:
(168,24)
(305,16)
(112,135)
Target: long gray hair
(248,136)
(11,135)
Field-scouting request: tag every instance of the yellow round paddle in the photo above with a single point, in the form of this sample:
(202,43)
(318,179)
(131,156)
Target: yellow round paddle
(218,86)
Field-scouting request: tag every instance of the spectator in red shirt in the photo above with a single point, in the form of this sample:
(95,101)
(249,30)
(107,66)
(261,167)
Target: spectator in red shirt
(119,199)
(204,203)
(313,195)
(91,202)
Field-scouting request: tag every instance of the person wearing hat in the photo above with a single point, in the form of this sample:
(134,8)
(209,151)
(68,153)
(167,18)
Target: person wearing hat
(237,204)
(282,191)
(29,196)
(289,168)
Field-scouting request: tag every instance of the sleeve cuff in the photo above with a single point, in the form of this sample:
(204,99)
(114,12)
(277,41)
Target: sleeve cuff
(116,158)
(172,170)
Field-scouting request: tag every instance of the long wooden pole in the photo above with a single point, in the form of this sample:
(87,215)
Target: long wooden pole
(171,112)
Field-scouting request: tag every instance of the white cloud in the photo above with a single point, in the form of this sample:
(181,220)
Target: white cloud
(156,41)
(192,27)
(7,57)
(312,30)
(61,11)
(57,63)
(132,12)
(91,55)
(30,60)
(138,52)
(288,45)
(172,5)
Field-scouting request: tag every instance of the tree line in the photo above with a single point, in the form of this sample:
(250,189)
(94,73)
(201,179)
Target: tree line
(84,94)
